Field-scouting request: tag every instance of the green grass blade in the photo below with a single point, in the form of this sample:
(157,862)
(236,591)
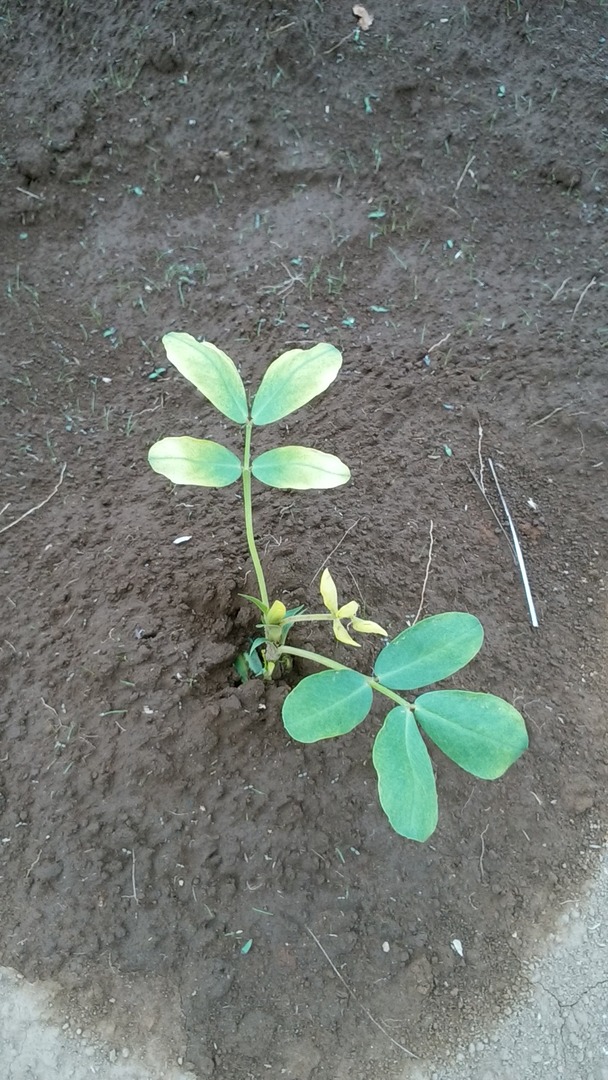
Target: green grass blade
(254,600)
(327,704)
(406,783)
(429,651)
(480,732)
(294,379)
(211,371)
(201,462)
(301,468)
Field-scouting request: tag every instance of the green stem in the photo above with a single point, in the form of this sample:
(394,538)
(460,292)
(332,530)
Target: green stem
(324,661)
(253,551)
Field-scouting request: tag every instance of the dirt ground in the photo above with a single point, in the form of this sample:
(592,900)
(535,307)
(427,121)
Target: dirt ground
(430,196)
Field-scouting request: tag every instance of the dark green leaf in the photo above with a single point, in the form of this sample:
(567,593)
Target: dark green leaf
(480,732)
(406,784)
(327,704)
(429,651)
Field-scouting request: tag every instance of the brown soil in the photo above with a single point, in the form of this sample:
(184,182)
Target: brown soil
(222,169)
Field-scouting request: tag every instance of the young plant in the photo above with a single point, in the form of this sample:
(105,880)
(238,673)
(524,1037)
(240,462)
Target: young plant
(480,732)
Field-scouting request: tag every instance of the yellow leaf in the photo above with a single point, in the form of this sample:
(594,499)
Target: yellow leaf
(366,626)
(329,592)
(348,610)
(342,634)
(276,612)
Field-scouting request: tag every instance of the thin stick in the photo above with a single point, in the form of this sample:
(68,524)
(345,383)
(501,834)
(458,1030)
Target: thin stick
(516,545)
(536,423)
(482,873)
(40,505)
(464,173)
(355,998)
(333,551)
(133,895)
(582,297)
(480,458)
(439,343)
(494,514)
(342,42)
(560,290)
(32,194)
(426,576)
(35,863)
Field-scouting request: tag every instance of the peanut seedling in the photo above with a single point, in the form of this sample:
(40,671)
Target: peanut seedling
(480,732)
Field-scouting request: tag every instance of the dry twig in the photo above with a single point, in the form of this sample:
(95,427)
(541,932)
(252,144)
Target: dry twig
(333,551)
(133,895)
(560,290)
(464,173)
(426,576)
(582,297)
(482,873)
(39,505)
(537,423)
(518,551)
(380,1027)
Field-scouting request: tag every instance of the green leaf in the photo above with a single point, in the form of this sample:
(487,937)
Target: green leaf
(327,704)
(194,461)
(293,379)
(480,732)
(254,600)
(406,783)
(211,371)
(300,467)
(253,659)
(429,651)
(241,666)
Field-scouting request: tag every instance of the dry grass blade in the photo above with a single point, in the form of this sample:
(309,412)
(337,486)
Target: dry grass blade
(352,994)
(38,505)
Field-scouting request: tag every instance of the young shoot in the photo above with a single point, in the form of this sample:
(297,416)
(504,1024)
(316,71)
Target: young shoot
(482,733)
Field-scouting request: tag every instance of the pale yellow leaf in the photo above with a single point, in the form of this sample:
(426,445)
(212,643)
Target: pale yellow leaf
(277,612)
(366,626)
(348,610)
(342,634)
(329,592)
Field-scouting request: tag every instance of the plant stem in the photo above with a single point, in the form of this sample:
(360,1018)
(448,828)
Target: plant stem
(253,551)
(317,658)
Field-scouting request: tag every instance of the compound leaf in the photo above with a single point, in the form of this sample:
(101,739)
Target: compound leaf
(293,379)
(429,651)
(327,704)
(406,783)
(480,732)
(211,371)
(300,467)
(184,460)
